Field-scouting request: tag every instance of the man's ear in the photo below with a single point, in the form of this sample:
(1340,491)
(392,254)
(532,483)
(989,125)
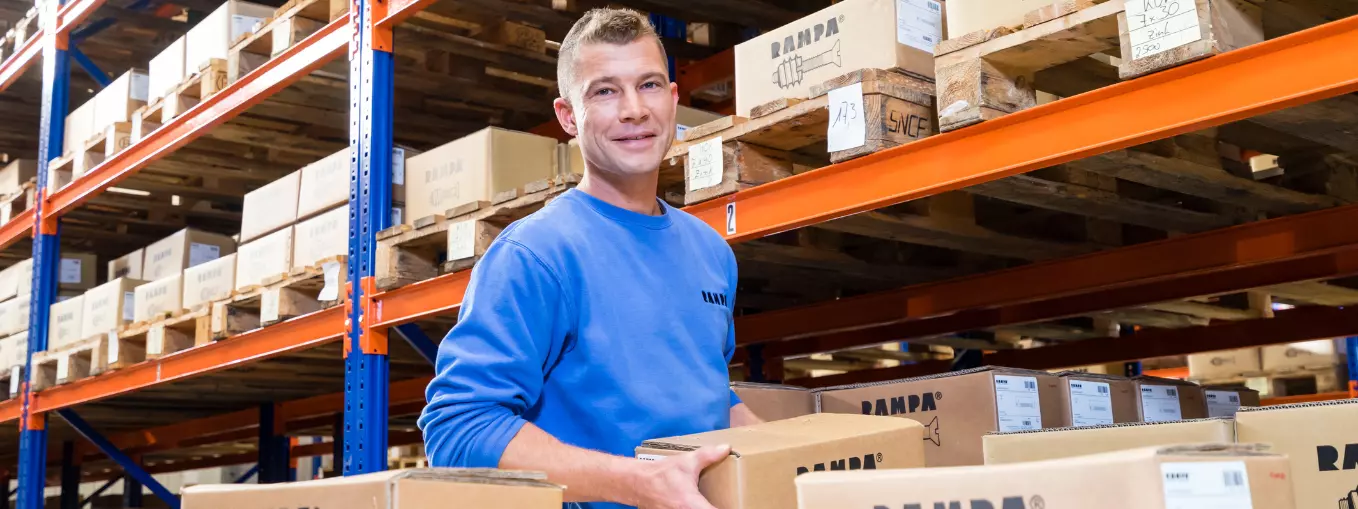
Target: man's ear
(566,116)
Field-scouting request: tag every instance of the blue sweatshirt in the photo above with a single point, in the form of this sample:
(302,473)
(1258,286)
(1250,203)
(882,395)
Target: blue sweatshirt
(602,326)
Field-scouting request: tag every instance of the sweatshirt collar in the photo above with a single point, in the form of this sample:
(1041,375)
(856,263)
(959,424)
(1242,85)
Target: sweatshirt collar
(621,215)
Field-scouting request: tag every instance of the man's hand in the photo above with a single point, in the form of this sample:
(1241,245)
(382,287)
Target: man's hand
(672,483)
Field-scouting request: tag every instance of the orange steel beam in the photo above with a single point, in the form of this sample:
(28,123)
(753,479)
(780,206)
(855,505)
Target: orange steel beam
(252,89)
(17,228)
(1306,66)
(400,10)
(14,66)
(424,299)
(1180,373)
(75,13)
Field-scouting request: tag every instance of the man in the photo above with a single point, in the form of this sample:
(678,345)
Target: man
(605,318)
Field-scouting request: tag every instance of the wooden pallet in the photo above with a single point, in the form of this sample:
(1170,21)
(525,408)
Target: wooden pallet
(152,339)
(11,381)
(281,297)
(1309,380)
(455,240)
(290,24)
(210,79)
(23,199)
(788,136)
(113,140)
(987,74)
(75,361)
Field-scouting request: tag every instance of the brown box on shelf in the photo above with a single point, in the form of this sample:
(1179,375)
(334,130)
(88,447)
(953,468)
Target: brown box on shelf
(262,258)
(184,249)
(213,36)
(1057,443)
(394,489)
(16,174)
(63,322)
(1167,399)
(1095,400)
(850,35)
(324,184)
(475,168)
(323,236)
(115,103)
(109,306)
(773,402)
(77,271)
(1305,355)
(1226,401)
(128,265)
(79,127)
(14,315)
(1173,477)
(958,408)
(271,207)
(766,458)
(1223,364)
(209,281)
(158,298)
(1319,438)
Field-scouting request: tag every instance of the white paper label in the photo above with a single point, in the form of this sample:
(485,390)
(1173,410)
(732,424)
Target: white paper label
(155,340)
(268,305)
(240,25)
(331,289)
(848,129)
(1091,403)
(1016,402)
(203,253)
(1157,26)
(14,374)
(462,240)
(5,212)
(650,457)
(112,347)
(1160,403)
(398,167)
(63,368)
(70,270)
(1206,485)
(140,84)
(679,131)
(705,164)
(731,218)
(129,306)
(919,24)
(396,213)
(1222,403)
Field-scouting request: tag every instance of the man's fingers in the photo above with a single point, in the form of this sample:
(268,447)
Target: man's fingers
(698,502)
(710,455)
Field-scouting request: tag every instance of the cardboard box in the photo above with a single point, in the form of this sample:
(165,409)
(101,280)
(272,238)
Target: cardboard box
(475,168)
(958,408)
(1316,354)
(1319,438)
(212,37)
(1166,399)
(271,207)
(1177,477)
(1223,364)
(166,71)
(766,458)
(773,402)
(79,128)
(14,350)
(1099,400)
(393,489)
(267,256)
(154,299)
(1226,401)
(184,249)
(22,274)
(16,174)
(77,271)
(116,102)
(325,183)
(320,237)
(209,281)
(847,36)
(1048,444)
(63,322)
(128,265)
(14,315)
(109,306)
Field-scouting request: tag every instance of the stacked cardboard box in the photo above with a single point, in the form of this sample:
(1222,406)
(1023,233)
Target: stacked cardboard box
(773,402)
(475,168)
(212,37)
(155,274)
(63,323)
(1319,439)
(1225,401)
(209,282)
(1056,443)
(1224,364)
(1167,399)
(109,306)
(397,489)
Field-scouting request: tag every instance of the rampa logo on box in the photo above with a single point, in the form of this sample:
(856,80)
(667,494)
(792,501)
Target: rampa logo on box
(907,404)
(1035,502)
(867,462)
(1327,458)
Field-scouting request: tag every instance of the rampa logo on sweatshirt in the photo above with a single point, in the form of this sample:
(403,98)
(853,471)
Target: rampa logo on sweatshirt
(715,298)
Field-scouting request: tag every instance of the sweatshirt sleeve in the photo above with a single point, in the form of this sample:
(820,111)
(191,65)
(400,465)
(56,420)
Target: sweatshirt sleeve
(734,276)
(513,322)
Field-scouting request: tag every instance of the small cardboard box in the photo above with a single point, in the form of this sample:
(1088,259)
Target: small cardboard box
(128,265)
(393,489)
(77,271)
(325,183)
(210,281)
(773,402)
(850,35)
(475,168)
(320,237)
(22,272)
(116,102)
(63,323)
(1166,399)
(1319,438)
(79,128)
(109,306)
(1223,364)
(16,174)
(270,207)
(1226,401)
(267,256)
(958,408)
(1098,400)
(766,458)
(213,36)
(14,315)
(1316,354)
(1172,477)
(1047,444)
(184,249)
(158,297)
(166,71)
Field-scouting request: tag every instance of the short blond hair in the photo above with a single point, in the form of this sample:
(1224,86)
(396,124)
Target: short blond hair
(604,25)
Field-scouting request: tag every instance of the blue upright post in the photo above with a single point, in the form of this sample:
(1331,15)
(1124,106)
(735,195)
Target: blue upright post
(372,91)
(70,477)
(55,91)
(1351,348)
(274,448)
(132,495)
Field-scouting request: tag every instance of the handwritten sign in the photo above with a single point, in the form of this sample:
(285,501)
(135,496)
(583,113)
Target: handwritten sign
(462,240)
(1157,26)
(705,164)
(848,129)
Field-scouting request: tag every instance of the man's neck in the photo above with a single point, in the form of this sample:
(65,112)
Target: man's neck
(636,194)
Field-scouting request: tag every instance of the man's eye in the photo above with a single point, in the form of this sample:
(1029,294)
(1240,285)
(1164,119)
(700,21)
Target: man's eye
(651,84)
(603,91)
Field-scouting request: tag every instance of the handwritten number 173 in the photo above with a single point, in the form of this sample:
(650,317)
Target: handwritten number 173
(847,111)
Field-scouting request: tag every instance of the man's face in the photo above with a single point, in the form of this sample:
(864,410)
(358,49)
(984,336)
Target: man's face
(622,109)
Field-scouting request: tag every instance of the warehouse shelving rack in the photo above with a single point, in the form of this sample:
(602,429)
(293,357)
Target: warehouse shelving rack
(1317,64)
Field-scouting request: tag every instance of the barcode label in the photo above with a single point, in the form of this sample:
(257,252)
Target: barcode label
(1091,403)
(1233,478)
(1172,392)
(1235,399)
(1222,403)
(1160,403)
(1016,403)
(1103,390)
(1206,485)
(1030,385)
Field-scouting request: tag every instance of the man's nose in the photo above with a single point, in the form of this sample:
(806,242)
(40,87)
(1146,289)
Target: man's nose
(633,110)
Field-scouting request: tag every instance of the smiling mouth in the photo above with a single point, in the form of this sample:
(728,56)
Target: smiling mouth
(635,138)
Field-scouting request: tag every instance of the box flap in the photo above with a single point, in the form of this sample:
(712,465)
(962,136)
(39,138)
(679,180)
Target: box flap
(1274,408)
(786,434)
(1091,376)
(764,386)
(1155,380)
